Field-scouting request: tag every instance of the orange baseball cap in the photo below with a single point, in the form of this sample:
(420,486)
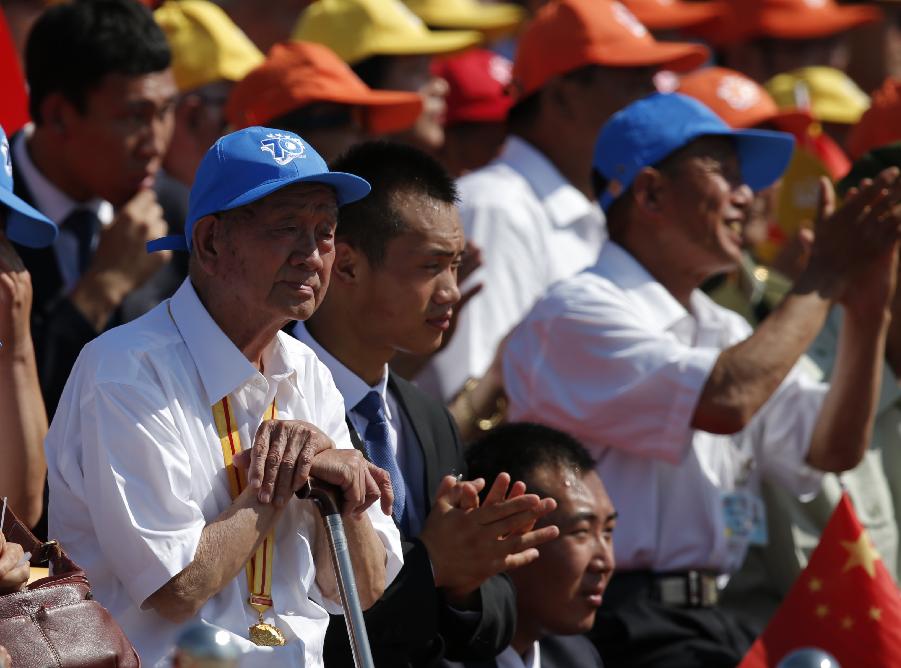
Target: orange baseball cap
(881,123)
(739,100)
(675,14)
(786,19)
(569,34)
(297,74)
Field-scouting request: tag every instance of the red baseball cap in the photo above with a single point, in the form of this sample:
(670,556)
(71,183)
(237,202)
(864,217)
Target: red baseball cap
(568,34)
(881,123)
(675,14)
(739,100)
(297,74)
(478,82)
(786,19)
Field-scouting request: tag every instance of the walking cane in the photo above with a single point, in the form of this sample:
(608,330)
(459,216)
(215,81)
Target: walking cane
(324,496)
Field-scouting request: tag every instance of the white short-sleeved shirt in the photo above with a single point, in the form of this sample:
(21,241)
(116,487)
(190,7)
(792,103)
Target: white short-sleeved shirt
(136,471)
(611,357)
(533,228)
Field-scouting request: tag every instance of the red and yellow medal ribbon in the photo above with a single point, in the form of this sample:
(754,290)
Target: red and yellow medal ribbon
(259,568)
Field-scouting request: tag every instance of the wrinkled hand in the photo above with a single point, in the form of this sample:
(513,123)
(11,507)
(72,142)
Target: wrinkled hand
(279,462)
(362,483)
(122,252)
(467,544)
(13,577)
(854,244)
(15,299)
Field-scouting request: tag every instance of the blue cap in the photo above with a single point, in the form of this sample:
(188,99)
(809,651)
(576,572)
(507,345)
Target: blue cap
(647,131)
(25,225)
(249,164)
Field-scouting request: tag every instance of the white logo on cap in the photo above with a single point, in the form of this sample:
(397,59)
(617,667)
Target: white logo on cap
(500,69)
(7,160)
(815,4)
(737,92)
(284,148)
(627,19)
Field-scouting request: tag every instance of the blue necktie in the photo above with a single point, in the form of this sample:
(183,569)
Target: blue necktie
(76,239)
(378,448)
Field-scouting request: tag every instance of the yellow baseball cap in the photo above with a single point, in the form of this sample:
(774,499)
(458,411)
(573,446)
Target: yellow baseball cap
(206,45)
(468,14)
(359,29)
(827,93)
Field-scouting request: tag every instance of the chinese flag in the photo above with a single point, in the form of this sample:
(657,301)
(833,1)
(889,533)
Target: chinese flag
(844,602)
(14,107)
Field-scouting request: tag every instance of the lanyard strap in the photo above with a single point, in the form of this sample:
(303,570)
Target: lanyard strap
(259,568)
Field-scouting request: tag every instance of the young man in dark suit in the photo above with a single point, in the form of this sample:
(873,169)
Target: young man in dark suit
(101,96)
(559,593)
(393,288)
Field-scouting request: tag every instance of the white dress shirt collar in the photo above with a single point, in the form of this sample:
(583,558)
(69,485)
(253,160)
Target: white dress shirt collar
(564,203)
(350,385)
(509,658)
(222,367)
(53,202)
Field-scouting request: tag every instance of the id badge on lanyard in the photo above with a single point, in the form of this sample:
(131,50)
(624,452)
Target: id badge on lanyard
(744,516)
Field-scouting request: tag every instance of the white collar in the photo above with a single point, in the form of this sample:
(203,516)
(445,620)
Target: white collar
(510,659)
(565,204)
(350,385)
(656,303)
(49,199)
(221,366)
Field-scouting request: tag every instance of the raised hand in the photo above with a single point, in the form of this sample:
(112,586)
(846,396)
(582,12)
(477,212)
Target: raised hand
(469,544)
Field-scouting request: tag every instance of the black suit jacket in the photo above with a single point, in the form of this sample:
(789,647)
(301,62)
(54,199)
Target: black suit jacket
(556,652)
(412,625)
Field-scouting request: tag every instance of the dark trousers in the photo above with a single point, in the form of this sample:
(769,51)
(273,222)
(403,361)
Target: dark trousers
(634,630)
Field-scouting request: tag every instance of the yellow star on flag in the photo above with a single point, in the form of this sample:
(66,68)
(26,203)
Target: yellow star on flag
(847,623)
(815,584)
(875,614)
(861,553)
(822,611)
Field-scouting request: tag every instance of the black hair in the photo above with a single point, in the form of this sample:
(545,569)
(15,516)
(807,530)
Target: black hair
(73,46)
(520,448)
(370,223)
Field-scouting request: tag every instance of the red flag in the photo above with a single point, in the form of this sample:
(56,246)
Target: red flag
(844,602)
(14,107)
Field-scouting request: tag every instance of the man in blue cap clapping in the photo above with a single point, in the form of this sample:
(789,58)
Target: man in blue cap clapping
(181,437)
(686,409)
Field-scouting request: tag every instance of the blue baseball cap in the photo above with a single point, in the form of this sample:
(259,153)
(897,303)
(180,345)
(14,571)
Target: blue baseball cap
(647,131)
(24,224)
(249,164)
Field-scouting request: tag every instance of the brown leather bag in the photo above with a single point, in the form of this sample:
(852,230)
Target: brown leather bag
(55,622)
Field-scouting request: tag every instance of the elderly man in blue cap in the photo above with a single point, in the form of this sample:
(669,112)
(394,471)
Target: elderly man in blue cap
(686,409)
(181,437)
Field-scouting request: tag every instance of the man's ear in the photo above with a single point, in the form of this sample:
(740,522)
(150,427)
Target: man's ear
(57,114)
(348,263)
(647,190)
(207,243)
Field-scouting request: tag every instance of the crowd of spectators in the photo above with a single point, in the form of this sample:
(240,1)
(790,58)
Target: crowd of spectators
(514,277)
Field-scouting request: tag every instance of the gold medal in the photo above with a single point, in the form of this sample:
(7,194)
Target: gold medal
(266,635)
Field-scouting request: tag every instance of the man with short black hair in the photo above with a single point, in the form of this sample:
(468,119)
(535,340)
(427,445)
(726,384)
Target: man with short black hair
(393,289)
(101,96)
(579,563)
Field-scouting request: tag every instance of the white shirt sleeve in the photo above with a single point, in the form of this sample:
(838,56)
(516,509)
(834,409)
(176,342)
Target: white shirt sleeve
(782,429)
(137,478)
(599,373)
